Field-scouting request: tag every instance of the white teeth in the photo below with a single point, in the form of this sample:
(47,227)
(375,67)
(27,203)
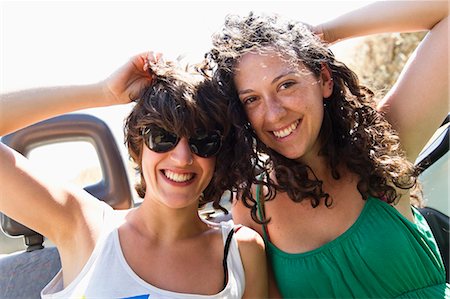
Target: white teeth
(178,177)
(287,131)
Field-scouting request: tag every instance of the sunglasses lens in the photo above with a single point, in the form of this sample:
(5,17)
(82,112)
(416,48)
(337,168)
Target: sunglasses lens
(206,144)
(160,141)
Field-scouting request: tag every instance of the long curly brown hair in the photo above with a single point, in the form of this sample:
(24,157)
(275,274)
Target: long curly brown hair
(353,132)
(182,101)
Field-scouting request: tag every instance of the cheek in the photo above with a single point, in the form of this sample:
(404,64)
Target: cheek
(145,173)
(254,116)
(147,164)
(211,166)
(314,111)
(208,165)
(313,101)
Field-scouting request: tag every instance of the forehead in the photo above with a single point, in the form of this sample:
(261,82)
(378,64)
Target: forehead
(267,65)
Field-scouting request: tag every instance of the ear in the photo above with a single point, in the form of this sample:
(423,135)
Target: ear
(327,81)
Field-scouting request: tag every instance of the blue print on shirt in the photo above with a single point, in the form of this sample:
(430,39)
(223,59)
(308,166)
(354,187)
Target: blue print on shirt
(138,297)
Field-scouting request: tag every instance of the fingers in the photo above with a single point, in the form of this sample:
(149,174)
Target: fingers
(152,58)
(318,30)
(158,56)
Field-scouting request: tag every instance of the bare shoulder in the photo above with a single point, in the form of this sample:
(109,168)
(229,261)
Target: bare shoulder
(249,239)
(252,251)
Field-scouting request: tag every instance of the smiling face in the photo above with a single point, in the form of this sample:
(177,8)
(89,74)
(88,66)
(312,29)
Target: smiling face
(284,103)
(178,177)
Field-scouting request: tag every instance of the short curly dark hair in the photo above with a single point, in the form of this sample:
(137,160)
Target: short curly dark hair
(182,100)
(353,132)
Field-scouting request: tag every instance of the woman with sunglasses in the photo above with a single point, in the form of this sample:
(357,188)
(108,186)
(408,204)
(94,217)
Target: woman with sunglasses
(181,142)
(333,202)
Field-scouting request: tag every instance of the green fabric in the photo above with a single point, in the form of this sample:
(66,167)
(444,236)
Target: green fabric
(383,255)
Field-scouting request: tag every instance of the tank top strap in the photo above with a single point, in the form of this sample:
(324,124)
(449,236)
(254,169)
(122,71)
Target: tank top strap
(260,207)
(226,249)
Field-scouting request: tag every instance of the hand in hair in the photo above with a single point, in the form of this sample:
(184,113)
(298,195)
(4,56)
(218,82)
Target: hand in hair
(126,84)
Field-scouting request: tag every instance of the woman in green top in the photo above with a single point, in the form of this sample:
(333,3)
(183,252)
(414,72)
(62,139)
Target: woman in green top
(336,195)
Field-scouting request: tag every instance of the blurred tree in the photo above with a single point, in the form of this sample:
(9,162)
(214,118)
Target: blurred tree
(379,59)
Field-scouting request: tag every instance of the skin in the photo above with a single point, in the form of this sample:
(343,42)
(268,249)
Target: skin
(173,249)
(280,100)
(275,96)
(172,238)
(272,105)
(161,170)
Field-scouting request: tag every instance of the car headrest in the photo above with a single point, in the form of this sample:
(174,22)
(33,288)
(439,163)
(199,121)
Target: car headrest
(114,187)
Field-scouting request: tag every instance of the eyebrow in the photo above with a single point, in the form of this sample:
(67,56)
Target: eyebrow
(273,81)
(281,76)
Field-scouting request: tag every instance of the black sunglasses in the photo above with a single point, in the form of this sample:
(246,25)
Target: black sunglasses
(203,144)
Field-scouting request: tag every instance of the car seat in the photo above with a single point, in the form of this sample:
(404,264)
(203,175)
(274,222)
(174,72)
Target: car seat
(433,163)
(23,274)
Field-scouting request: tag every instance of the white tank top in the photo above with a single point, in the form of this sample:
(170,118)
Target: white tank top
(107,275)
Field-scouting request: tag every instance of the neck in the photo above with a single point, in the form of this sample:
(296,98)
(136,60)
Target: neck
(321,170)
(319,167)
(156,221)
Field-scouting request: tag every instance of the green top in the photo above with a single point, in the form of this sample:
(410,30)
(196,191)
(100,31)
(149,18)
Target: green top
(382,255)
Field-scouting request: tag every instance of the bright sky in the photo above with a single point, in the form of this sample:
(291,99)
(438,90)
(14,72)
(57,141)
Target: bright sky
(74,42)
(70,42)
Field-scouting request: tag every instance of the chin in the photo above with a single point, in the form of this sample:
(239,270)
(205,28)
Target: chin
(293,155)
(177,202)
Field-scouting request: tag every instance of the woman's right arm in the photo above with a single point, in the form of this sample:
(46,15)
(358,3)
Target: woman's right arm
(23,108)
(42,204)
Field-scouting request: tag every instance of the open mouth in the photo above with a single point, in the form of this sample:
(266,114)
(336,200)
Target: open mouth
(286,131)
(178,177)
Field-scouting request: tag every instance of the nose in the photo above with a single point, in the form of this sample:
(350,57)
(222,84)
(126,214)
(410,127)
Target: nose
(274,109)
(182,154)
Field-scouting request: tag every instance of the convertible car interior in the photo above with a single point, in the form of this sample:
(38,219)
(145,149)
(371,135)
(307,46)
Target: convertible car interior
(24,273)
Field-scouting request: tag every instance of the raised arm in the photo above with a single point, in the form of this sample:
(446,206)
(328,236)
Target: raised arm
(27,196)
(22,108)
(418,102)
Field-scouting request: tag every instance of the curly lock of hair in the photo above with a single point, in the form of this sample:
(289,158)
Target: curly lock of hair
(353,132)
(180,101)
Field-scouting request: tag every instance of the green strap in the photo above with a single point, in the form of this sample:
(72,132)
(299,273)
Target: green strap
(261,212)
